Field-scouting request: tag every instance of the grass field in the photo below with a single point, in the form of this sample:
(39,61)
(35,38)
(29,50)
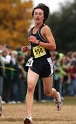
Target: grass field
(43,113)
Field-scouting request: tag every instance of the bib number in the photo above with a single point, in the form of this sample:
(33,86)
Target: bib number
(38,51)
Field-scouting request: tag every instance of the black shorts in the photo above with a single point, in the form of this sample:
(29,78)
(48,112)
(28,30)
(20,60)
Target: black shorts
(43,67)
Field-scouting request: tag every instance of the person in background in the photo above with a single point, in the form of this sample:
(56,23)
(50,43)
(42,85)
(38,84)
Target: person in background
(8,75)
(22,76)
(15,80)
(72,85)
(56,81)
(40,64)
(0,106)
(2,73)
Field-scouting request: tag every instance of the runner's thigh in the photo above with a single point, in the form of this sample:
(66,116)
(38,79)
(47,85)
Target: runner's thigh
(47,83)
(32,77)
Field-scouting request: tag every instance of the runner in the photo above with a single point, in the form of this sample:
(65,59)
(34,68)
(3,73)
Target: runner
(40,64)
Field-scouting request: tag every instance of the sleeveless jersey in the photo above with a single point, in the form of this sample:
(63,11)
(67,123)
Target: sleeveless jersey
(38,51)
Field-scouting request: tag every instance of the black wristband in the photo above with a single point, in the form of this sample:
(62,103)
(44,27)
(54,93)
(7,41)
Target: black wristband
(38,42)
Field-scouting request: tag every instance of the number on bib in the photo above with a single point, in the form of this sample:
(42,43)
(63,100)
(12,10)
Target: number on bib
(38,51)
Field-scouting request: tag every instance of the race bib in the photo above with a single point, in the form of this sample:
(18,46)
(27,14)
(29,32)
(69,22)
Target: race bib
(38,51)
(30,62)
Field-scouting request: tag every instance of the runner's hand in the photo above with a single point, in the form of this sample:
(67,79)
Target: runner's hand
(33,39)
(24,48)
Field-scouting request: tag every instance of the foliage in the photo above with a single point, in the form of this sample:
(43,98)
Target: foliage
(15,19)
(63,26)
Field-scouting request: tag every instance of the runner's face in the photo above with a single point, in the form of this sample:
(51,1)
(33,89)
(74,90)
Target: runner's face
(38,16)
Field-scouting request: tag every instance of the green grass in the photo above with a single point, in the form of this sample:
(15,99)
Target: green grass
(69,101)
(66,101)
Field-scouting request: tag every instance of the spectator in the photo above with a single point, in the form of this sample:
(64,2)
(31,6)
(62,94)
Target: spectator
(22,75)
(8,74)
(16,79)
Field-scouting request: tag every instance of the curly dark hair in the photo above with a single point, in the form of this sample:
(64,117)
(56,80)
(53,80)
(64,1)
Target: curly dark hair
(45,10)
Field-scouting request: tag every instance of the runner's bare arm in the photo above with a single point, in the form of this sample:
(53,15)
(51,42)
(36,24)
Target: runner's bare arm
(51,45)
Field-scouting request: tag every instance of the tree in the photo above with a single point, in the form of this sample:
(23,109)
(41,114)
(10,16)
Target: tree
(63,26)
(15,19)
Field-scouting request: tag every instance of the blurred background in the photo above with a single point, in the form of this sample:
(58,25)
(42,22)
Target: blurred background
(15,19)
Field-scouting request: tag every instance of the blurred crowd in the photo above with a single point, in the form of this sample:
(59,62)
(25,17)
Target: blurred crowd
(65,73)
(13,75)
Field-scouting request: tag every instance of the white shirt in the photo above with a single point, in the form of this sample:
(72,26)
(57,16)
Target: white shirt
(6,59)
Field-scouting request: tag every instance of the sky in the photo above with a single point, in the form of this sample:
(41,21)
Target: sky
(52,4)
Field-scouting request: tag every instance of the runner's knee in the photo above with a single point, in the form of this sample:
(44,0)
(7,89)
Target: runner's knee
(30,89)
